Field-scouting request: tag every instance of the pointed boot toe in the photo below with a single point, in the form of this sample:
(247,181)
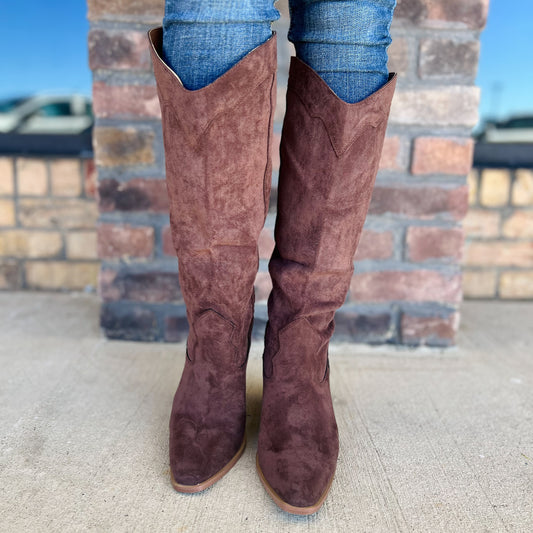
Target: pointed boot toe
(298,439)
(198,460)
(301,494)
(298,484)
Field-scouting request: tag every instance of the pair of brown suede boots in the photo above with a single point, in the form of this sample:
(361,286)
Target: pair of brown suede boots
(218,143)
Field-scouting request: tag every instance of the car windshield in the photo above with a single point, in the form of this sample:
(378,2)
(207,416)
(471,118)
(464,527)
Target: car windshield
(9,104)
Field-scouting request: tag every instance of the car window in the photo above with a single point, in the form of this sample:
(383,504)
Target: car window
(59,109)
(8,105)
(525,122)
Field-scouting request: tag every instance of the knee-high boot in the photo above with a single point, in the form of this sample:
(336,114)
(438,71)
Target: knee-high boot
(217,142)
(330,152)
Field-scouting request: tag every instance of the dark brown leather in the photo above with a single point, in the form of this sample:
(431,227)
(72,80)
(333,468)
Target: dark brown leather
(330,152)
(218,142)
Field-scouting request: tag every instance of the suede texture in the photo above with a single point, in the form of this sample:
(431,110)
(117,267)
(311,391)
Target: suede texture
(330,152)
(218,142)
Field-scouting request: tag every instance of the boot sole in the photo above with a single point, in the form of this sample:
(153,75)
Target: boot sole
(283,505)
(199,487)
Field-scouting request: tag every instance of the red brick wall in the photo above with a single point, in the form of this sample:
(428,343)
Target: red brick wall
(407,282)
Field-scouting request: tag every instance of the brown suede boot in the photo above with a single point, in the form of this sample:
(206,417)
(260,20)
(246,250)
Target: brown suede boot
(330,151)
(217,148)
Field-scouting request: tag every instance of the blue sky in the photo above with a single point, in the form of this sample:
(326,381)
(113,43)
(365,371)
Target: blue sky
(505,72)
(44,48)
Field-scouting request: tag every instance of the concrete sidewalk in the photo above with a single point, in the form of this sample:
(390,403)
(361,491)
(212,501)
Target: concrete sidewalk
(430,441)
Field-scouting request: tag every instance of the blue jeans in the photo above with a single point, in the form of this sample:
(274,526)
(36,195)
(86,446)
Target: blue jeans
(345,41)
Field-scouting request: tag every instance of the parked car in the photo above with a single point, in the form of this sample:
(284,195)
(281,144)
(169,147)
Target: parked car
(46,126)
(517,129)
(58,115)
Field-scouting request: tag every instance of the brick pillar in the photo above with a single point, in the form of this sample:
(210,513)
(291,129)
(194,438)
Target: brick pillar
(407,282)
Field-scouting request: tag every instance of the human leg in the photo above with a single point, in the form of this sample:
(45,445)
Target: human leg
(203,39)
(345,41)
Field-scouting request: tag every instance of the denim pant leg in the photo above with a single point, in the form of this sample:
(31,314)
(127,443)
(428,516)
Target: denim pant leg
(202,39)
(345,41)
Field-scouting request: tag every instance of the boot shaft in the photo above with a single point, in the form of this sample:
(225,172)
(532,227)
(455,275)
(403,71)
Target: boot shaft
(218,143)
(330,152)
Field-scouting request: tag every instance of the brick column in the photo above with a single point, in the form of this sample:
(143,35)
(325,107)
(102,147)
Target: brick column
(407,282)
